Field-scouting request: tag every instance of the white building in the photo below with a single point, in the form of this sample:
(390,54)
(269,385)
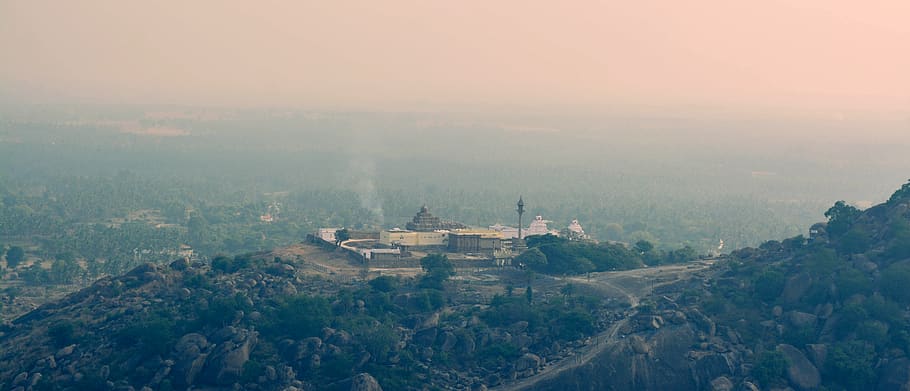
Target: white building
(538,227)
(327,234)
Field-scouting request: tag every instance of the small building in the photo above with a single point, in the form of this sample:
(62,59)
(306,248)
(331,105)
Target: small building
(185,251)
(399,237)
(506,231)
(381,254)
(475,241)
(538,227)
(327,234)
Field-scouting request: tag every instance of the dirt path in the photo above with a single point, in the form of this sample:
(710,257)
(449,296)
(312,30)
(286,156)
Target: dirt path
(600,342)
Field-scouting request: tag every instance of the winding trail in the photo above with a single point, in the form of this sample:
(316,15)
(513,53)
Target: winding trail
(633,291)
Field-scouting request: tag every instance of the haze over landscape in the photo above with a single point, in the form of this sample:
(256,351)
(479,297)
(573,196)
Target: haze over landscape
(284,195)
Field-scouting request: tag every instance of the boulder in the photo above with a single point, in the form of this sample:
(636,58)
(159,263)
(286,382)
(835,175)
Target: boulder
(528,361)
(799,319)
(703,322)
(225,364)
(711,366)
(721,384)
(818,353)
(749,386)
(65,351)
(364,382)
(796,287)
(638,345)
(466,344)
(180,264)
(824,311)
(426,337)
(448,341)
(431,321)
(777,311)
(518,327)
(800,371)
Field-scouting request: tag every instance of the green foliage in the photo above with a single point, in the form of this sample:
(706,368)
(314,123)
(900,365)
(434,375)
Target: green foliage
(851,365)
(685,254)
(14,256)
(841,217)
(300,317)
(378,340)
(342,235)
(154,334)
(851,281)
(851,316)
(769,285)
(221,310)
(884,310)
(532,258)
(644,246)
(822,262)
(251,371)
(856,241)
(901,194)
(571,257)
(898,246)
(438,269)
(62,333)
(894,280)
(770,369)
(497,354)
(571,325)
(385,283)
(226,264)
(799,336)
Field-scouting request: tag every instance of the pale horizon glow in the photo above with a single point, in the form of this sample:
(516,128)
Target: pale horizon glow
(833,57)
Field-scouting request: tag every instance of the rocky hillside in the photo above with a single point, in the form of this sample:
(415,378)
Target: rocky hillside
(825,312)
(258,322)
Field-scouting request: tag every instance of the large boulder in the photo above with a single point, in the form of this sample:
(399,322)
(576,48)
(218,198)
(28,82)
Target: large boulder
(225,364)
(528,361)
(800,371)
(191,353)
(796,287)
(799,319)
(721,384)
(711,366)
(365,382)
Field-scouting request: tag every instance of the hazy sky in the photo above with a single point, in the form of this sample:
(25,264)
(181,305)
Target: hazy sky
(828,55)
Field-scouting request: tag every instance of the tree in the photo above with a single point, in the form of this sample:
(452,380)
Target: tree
(841,217)
(438,269)
(384,283)
(770,368)
(901,194)
(643,246)
(532,258)
(14,256)
(341,236)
